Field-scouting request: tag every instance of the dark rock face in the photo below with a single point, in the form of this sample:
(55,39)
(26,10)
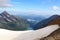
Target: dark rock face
(11,22)
(55,19)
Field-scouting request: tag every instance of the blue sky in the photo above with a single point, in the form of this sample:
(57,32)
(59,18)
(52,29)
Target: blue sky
(40,7)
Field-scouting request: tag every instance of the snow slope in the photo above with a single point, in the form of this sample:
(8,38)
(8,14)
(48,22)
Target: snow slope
(27,35)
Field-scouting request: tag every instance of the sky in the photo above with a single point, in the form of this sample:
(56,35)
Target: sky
(39,7)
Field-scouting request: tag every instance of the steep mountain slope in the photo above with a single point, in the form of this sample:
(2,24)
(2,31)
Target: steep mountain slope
(55,19)
(11,22)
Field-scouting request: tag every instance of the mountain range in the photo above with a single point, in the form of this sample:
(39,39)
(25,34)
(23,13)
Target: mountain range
(32,19)
(16,23)
(12,22)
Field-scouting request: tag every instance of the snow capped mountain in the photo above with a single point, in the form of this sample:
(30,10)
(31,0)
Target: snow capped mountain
(8,17)
(12,22)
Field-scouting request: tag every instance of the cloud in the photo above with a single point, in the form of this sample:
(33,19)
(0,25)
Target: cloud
(5,3)
(55,8)
(31,12)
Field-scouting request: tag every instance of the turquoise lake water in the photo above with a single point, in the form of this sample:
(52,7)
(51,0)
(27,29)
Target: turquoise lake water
(29,28)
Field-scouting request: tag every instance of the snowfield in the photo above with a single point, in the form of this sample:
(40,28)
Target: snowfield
(27,35)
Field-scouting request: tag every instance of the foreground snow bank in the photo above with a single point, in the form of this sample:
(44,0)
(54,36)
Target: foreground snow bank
(10,35)
(27,35)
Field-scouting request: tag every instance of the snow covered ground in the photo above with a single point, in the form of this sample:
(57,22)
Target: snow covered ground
(27,35)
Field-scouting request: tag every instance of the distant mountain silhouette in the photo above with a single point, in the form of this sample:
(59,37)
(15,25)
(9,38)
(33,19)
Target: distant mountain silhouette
(55,19)
(12,22)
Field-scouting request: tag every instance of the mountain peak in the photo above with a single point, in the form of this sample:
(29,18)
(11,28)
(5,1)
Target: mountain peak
(5,13)
(9,18)
(56,16)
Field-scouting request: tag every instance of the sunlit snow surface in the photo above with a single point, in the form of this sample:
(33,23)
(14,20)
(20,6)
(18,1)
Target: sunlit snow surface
(27,35)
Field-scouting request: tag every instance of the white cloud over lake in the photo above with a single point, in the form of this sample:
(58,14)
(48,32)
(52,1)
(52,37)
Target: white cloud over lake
(55,8)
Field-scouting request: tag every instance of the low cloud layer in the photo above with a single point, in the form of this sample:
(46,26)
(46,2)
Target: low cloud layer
(5,3)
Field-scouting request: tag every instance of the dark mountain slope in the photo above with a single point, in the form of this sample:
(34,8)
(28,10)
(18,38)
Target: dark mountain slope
(55,19)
